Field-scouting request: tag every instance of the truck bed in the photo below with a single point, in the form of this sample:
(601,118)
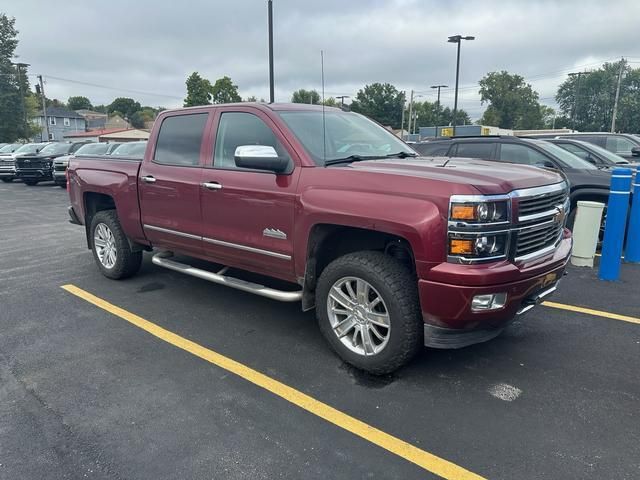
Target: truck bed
(117,177)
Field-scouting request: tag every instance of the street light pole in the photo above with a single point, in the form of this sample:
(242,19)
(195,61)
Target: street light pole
(457,39)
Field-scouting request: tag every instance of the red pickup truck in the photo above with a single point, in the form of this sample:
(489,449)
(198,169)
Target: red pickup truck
(394,251)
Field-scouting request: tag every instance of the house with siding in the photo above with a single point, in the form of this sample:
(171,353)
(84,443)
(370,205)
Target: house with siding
(61,121)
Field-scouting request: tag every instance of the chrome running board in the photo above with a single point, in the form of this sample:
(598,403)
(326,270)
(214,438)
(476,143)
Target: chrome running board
(162,259)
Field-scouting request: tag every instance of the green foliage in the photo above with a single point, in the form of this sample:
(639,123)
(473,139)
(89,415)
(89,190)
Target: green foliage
(512,102)
(225,91)
(198,91)
(430,115)
(12,124)
(305,96)
(380,101)
(126,107)
(331,102)
(252,98)
(79,103)
(587,100)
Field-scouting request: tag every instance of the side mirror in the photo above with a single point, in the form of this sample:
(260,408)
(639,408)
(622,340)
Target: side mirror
(260,157)
(591,160)
(546,164)
(635,151)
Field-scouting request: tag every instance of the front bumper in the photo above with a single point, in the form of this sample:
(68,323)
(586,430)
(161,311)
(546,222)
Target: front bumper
(446,306)
(7,171)
(59,177)
(34,174)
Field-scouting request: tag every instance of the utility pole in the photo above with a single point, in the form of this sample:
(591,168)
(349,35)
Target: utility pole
(271,83)
(44,107)
(615,103)
(438,105)
(410,112)
(575,100)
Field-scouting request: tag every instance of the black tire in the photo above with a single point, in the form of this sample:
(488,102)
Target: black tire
(7,180)
(127,263)
(31,183)
(397,287)
(62,185)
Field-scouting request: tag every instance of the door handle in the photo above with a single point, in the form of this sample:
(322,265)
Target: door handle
(149,179)
(212,185)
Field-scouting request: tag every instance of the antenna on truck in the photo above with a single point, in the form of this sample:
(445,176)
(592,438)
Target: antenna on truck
(324,131)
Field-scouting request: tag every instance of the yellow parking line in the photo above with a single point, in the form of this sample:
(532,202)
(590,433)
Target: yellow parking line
(411,453)
(589,311)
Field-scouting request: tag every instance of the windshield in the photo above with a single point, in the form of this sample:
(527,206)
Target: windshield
(56,148)
(93,149)
(29,148)
(567,159)
(347,134)
(134,149)
(603,152)
(9,148)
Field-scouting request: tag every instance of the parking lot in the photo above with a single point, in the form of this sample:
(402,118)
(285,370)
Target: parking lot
(168,376)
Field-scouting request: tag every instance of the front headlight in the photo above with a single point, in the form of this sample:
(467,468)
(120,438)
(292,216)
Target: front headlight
(479,211)
(478,246)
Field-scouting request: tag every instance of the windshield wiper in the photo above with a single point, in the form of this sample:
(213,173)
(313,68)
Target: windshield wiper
(352,158)
(359,158)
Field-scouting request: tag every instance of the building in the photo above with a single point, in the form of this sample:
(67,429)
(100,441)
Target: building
(109,135)
(102,121)
(61,121)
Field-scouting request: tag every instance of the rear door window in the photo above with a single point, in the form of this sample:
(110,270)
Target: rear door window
(432,149)
(595,139)
(515,153)
(180,139)
(483,150)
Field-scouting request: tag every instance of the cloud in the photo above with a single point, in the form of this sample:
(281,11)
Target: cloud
(152,47)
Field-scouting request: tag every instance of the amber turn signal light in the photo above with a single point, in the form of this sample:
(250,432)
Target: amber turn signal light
(463,212)
(461,247)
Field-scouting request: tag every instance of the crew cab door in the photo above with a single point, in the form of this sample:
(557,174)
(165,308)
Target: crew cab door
(169,182)
(247,214)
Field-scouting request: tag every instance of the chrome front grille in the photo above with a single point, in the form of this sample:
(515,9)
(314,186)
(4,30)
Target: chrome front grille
(541,220)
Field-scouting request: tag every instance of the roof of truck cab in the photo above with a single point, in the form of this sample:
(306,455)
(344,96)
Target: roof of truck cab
(261,105)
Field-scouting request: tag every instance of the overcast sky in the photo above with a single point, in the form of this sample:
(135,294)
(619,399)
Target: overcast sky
(145,49)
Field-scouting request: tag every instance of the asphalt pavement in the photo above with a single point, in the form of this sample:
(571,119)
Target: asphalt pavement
(86,394)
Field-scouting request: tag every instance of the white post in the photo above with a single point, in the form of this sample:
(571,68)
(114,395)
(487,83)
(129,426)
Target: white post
(586,230)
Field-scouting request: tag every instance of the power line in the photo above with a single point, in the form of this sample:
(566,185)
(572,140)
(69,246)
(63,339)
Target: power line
(106,87)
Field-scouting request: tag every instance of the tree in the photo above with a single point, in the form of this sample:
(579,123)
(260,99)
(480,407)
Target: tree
(198,91)
(330,102)
(10,100)
(79,103)
(587,100)
(512,102)
(225,91)
(429,114)
(252,98)
(124,106)
(380,101)
(305,96)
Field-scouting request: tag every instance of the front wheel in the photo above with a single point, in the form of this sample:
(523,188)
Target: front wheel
(31,183)
(368,310)
(7,180)
(110,247)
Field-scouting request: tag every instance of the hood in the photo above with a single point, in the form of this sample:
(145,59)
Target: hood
(589,178)
(489,178)
(64,159)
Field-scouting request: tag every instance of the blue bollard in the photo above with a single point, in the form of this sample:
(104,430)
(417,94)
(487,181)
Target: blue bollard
(614,228)
(632,249)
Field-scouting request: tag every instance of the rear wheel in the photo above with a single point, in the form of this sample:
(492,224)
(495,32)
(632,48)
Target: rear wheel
(368,310)
(110,247)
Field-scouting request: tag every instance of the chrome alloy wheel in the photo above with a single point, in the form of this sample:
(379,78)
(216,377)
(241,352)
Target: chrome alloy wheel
(358,316)
(105,245)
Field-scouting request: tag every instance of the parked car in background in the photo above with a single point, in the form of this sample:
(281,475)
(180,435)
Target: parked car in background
(60,164)
(587,182)
(10,153)
(38,167)
(622,144)
(393,251)
(591,152)
(131,150)
(10,148)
